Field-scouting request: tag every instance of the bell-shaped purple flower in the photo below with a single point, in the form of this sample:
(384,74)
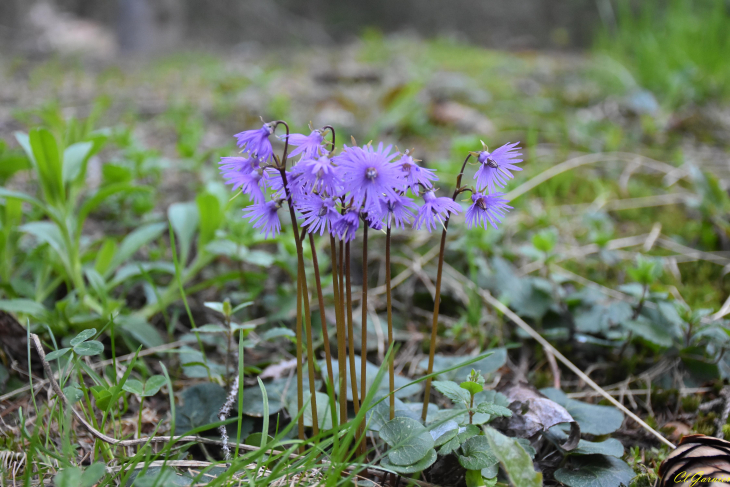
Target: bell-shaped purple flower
(368,173)
(413,175)
(434,210)
(496,166)
(238,164)
(320,214)
(265,216)
(318,175)
(346,227)
(252,183)
(309,146)
(486,208)
(256,142)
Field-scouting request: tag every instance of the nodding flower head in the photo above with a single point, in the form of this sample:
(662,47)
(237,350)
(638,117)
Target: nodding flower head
(309,146)
(320,214)
(318,175)
(256,142)
(251,183)
(434,210)
(346,227)
(486,209)
(237,164)
(391,209)
(367,173)
(414,176)
(496,166)
(265,217)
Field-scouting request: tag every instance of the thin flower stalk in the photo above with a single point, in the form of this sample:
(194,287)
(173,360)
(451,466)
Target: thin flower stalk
(388,300)
(364,303)
(341,338)
(351,334)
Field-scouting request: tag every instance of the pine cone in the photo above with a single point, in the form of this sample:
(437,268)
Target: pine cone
(697,457)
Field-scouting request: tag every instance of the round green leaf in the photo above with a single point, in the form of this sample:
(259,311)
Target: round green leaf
(477,454)
(595,471)
(408,439)
(453,391)
(419,466)
(133,386)
(153,385)
(89,349)
(472,387)
(56,354)
(83,336)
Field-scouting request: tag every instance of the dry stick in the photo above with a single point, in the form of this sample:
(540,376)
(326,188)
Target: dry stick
(341,344)
(546,345)
(320,298)
(389,305)
(437,298)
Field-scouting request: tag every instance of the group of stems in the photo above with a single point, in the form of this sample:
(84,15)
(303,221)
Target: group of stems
(342,290)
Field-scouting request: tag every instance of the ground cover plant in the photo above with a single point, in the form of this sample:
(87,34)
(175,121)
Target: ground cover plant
(139,306)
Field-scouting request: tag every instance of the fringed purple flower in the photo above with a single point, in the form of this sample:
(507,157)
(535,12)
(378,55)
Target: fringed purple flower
(318,175)
(320,214)
(399,211)
(309,146)
(434,210)
(413,175)
(264,216)
(495,167)
(238,164)
(252,184)
(486,208)
(367,173)
(256,142)
(346,227)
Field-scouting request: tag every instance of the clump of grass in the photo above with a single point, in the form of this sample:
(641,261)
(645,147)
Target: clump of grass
(677,49)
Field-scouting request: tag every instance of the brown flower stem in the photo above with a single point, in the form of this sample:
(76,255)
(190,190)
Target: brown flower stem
(301,287)
(341,338)
(300,354)
(364,304)
(325,333)
(437,298)
(391,365)
(351,335)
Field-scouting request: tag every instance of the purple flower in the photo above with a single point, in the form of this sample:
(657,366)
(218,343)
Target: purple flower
(309,146)
(264,216)
(434,209)
(256,142)
(346,227)
(240,164)
(318,175)
(251,183)
(495,167)
(319,213)
(399,210)
(367,173)
(414,175)
(486,208)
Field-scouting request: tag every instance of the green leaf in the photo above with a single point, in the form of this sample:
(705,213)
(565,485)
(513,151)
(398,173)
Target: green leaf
(592,419)
(401,383)
(102,396)
(477,454)
(324,413)
(26,306)
(277,333)
(497,358)
(419,466)
(444,432)
(134,241)
(611,447)
(49,233)
(514,460)
(133,386)
(92,474)
(200,406)
(595,471)
(139,329)
(48,164)
(378,415)
(153,385)
(469,431)
(56,354)
(650,331)
(253,398)
(89,349)
(493,410)
(68,477)
(82,337)
(453,391)
(472,387)
(184,218)
(211,217)
(408,439)
(74,158)
(73,394)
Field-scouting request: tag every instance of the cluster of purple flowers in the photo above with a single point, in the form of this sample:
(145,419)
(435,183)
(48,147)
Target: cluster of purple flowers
(360,185)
